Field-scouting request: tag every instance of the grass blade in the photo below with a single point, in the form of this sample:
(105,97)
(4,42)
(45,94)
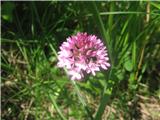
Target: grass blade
(56,107)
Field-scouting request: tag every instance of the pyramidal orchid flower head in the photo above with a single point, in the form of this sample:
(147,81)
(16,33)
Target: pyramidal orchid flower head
(83,54)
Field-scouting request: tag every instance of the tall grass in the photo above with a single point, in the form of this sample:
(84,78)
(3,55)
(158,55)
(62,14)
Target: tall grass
(34,88)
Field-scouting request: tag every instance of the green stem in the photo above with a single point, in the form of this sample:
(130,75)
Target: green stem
(81,99)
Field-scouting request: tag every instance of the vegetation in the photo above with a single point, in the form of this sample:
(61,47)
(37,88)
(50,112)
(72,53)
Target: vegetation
(33,87)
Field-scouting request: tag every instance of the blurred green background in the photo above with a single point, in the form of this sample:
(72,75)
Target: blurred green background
(32,86)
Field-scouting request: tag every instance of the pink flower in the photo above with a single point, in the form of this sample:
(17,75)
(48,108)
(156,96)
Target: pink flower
(83,54)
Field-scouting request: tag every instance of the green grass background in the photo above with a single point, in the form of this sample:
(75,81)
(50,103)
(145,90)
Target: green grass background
(32,86)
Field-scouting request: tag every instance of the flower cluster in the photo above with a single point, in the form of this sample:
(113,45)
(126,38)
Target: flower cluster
(83,54)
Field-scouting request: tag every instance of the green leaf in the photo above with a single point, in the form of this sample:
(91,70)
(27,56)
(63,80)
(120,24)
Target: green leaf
(155,5)
(119,74)
(7,9)
(104,101)
(128,65)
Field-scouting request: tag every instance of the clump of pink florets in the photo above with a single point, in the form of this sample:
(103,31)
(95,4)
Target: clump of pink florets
(83,54)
